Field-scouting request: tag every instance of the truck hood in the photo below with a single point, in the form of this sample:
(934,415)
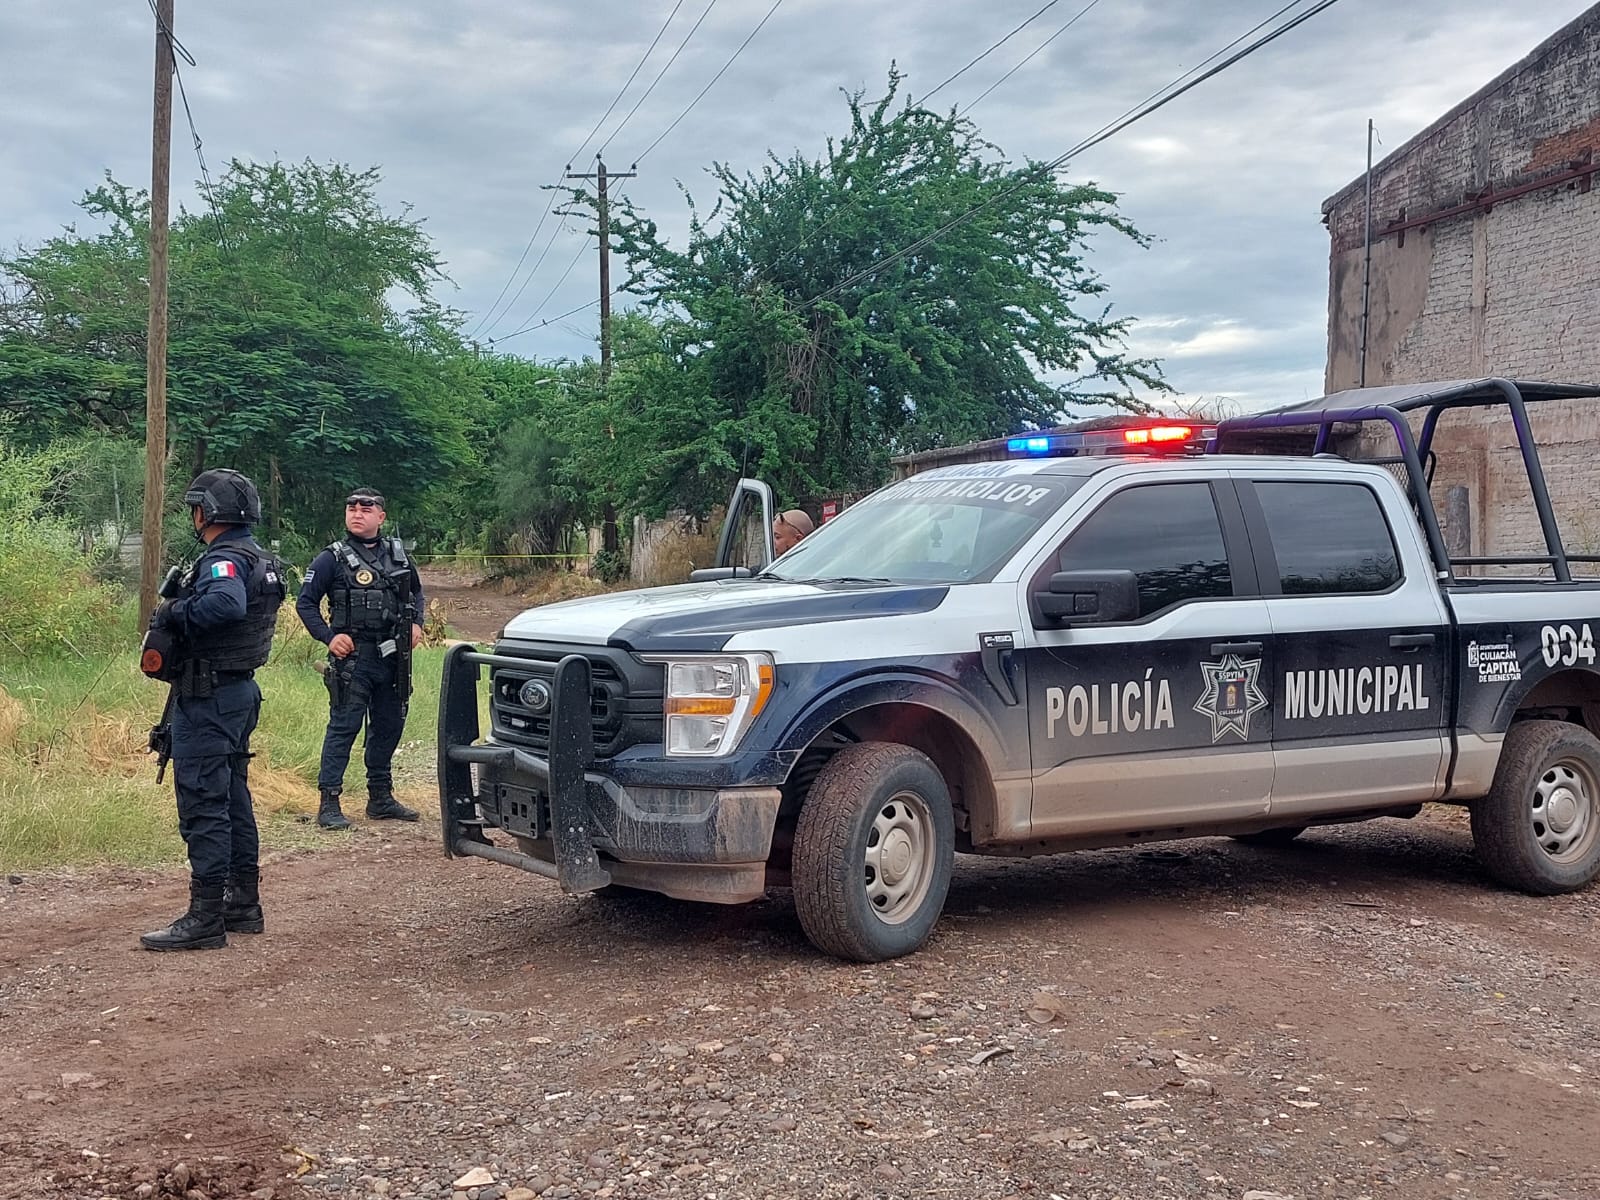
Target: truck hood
(703,616)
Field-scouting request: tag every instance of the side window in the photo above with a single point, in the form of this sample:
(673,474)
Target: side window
(1168,534)
(1329,538)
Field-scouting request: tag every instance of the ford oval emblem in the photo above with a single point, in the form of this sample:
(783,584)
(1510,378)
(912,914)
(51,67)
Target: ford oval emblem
(535,696)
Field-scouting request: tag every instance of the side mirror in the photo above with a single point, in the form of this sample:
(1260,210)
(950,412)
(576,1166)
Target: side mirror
(747,491)
(708,574)
(1086,598)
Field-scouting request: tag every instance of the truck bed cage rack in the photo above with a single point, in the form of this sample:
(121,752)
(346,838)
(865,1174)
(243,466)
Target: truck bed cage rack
(1390,404)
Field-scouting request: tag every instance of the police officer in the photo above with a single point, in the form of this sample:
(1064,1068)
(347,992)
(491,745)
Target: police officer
(220,623)
(789,529)
(374,599)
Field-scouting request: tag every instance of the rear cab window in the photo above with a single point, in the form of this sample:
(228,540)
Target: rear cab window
(1329,538)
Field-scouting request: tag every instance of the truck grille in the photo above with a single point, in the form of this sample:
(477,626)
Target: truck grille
(624,697)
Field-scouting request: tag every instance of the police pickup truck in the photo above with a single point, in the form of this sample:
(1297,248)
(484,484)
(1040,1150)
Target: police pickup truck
(1062,650)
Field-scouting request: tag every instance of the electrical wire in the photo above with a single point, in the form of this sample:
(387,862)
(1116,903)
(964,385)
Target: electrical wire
(659,74)
(1080,13)
(571,312)
(777,4)
(659,34)
(486,323)
(533,322)
(178,47)
(200,154)
(1139,112)
(989,51)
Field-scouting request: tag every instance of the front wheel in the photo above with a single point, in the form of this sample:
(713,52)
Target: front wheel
(1538,829)
(873,852)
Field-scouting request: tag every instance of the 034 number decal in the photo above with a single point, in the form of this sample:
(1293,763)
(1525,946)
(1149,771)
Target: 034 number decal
(1565,646)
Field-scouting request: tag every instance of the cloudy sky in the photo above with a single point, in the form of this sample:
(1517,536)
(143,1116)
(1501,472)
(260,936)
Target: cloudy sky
(469,106)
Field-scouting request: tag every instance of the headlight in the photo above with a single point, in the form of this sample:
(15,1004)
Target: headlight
(711,700)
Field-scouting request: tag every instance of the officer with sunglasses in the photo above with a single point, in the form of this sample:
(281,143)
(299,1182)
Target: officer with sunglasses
(375,603)
(789,529)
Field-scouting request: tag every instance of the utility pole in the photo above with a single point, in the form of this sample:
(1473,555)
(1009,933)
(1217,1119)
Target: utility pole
(608,528)
(603,208)
(155,386)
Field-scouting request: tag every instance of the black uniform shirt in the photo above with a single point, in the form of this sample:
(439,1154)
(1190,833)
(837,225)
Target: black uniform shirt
(218,596)
(322,572)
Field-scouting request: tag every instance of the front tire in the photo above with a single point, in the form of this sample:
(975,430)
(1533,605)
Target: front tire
(1538,829)
(873,852)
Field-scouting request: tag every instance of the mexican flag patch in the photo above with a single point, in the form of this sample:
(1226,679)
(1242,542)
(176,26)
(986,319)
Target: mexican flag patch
(224,570)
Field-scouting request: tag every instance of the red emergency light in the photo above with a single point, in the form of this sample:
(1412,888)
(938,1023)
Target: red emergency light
(1157,434)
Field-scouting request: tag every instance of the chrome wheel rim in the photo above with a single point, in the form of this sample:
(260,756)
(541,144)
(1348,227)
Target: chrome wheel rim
(899,863)
(1563,811)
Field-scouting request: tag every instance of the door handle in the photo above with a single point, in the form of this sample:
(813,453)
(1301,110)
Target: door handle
(1410,641)
(1235,647)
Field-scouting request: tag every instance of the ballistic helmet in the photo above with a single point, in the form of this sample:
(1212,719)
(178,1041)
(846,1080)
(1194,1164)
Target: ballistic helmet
(224,497)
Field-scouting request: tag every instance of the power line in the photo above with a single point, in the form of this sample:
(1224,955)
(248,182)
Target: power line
(777,4)
(200,154)
(972,104)
(178,47)
(989,51)
(855,203)
(659,33)
(1137,113)
(571,312)
(489,320)
(659,74)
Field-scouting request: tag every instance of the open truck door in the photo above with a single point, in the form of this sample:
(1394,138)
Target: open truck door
(743,550)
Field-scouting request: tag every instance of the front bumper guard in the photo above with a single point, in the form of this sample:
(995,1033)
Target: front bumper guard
(577,866)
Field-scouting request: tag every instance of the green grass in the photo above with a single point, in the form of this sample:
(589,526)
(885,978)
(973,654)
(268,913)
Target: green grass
(77,786)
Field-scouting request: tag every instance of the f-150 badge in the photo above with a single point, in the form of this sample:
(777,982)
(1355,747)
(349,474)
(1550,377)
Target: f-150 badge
(1232,695)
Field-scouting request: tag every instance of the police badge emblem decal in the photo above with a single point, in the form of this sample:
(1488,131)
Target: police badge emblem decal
(364,577)
(1232,696)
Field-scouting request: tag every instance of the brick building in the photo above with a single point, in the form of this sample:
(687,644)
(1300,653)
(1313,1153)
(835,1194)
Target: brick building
(1486,261)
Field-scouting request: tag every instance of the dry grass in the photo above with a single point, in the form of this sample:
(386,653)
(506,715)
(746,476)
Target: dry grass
(77,781)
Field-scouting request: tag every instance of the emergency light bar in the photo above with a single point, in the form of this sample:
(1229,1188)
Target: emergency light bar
(1141,439)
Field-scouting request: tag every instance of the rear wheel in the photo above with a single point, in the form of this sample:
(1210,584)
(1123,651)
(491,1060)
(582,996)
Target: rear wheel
(873,852)
(1271,837)
(1538,829)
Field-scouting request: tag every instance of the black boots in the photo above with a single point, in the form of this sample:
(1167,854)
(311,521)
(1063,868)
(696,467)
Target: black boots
(200,928)
(382,806)
(241,904)
(329,815)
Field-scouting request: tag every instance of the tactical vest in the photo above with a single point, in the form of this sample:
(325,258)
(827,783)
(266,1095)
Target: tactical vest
(241,645)
(364,595)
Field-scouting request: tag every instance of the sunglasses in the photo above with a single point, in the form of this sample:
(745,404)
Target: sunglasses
(361,504)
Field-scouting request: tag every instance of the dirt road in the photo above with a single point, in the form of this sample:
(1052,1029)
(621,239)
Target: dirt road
(1356,1015)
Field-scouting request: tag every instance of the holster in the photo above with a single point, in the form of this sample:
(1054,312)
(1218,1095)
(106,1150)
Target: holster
(340,678)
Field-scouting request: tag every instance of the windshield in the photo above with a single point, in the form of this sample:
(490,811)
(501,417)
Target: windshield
(953,525)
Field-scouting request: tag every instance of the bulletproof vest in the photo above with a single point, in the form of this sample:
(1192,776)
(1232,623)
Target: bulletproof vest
(242,645)
(364,596)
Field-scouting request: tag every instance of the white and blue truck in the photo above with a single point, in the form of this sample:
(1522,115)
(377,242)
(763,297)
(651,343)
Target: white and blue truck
(1063,650)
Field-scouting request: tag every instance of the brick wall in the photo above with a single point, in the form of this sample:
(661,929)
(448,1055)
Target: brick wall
(1510,287)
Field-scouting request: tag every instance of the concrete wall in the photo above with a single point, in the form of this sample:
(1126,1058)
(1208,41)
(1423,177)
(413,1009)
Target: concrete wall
(1508,289)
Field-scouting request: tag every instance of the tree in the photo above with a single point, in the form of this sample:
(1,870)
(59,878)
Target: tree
(789,342)
(286,357)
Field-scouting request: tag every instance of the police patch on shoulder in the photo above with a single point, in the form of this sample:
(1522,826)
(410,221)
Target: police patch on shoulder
(224,569)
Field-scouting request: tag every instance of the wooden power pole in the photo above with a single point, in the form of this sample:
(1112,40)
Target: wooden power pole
(155,388)
(608,532)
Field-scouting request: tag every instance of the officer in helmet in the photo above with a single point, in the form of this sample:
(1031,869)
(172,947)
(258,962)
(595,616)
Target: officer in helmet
(374,604)
(221,623)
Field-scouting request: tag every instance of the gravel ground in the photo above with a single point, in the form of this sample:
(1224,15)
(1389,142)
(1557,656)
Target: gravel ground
(1357,1015)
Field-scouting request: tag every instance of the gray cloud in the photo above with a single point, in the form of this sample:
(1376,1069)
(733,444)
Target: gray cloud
(470,106)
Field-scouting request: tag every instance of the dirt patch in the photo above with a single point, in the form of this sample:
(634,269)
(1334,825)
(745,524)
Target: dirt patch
(1358,1014)
(478,608)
